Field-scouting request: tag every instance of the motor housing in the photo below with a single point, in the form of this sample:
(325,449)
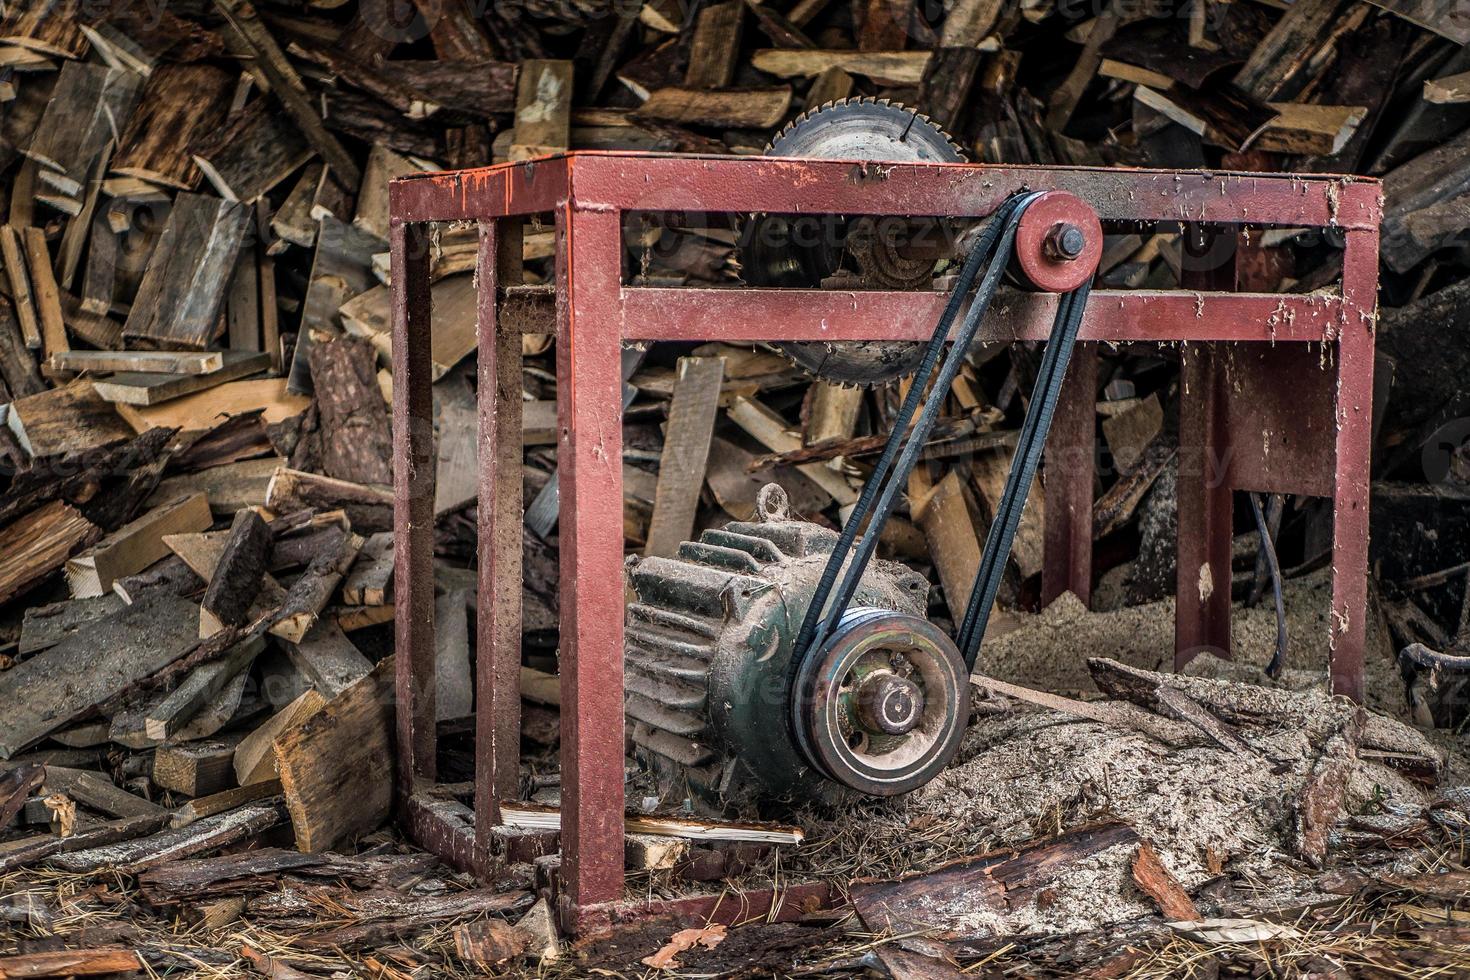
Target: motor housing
(720,713)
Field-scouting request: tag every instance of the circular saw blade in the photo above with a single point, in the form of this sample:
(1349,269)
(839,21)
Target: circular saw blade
(861,129)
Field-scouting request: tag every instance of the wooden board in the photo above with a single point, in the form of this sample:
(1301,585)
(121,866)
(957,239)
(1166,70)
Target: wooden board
(543,109)
(685,453)
(204,410)
(337,767)
(179,299)
(50,690)
(328,659)
(148,388)
(44,292)
(715,48)
(1447,18)
(252,153)
(370,582)
(229,487)
(71,418)
(195,768)
(751,108)
(454,337)
(88,106)
(152,362)
(45,626)
(254,761)
(896,67)
(135,545)
(179,104)
(954,545)
(383,165)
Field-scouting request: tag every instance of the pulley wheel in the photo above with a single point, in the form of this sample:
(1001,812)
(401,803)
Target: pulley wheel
(882,706)
(1059,242)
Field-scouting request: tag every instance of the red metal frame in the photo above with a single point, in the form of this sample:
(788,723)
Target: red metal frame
(1252,366)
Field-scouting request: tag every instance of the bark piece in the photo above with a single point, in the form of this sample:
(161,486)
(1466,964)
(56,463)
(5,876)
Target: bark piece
(179,104)
(240,571)
(1159,884)
(369,508)
(252,153)
(1320,801)
(356,442)
(202,837)
(71,963)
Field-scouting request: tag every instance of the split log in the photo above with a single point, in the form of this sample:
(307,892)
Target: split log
(240,570)
(714,48)
(954,545)
(1276,69)
(369,508)
(44,292)
(383,916)
(357,444)
(420,89)
(309,594)
(18,279)
(254,761)
(170,715)
(337,766)
(224,801)
(1159,884)
(179,300)
(135,546)
(99,793)
(179,105)
(17,363)
(341,270)
(47,28)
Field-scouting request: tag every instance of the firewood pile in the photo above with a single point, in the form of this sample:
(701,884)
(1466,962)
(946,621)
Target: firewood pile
(196,594)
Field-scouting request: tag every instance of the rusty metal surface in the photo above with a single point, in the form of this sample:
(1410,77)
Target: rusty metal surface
(1067,476)
(588,192)
(1052,222)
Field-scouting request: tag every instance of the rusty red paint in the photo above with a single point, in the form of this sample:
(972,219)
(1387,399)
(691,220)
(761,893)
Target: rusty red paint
(588,192)
(1040,236)
(1068,468)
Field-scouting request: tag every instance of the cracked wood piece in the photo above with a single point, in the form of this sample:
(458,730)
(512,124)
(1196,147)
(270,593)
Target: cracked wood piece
(1000,880)
(1289,48)
(188,275)
(309,594)
(240,571)
(210,834)
(37,545)
(197,690)
(328,659)
(251,153)
(1143,688)
(71,962)
(354,419)
(336,766)
(180,104)
(52,689)
(543,109)
(741,108)
(135,546)
(685,453)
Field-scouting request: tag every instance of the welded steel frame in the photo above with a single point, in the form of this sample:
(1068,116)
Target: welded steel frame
(1253,416)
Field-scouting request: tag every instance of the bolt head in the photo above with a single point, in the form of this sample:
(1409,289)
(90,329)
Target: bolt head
(889,705)
(1068,242)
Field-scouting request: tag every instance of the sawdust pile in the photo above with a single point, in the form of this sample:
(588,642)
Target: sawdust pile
(1027,773)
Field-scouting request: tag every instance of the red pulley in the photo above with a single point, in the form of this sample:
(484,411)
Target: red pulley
(1059,243)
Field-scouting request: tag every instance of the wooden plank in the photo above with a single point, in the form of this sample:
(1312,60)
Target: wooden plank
(224,801)
(337,766)
(135,545)
(771,431)
(229,487)
(383,165)
(240,571)
(17,363)
(532,816)
(543,109)
(202,837)
(1447,18)
(148,388)
(454,321)
(454,682)
(179,105)
(52,689)
(204,410)
(45,626)
(328,659)
(150,362)
(67,419)
(894,67)
(98,792)
(179,299)
(685,453)
(44,292)
(750,108)
(990,473)
(18,278)
(954,546)
(1275,66)
(341,269)
(714,51)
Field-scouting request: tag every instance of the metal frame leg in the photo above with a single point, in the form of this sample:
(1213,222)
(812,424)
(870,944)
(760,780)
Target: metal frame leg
(1202,603)
(498,638)
(1353,412)
(590,451)
(1069,472)
(413,506)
